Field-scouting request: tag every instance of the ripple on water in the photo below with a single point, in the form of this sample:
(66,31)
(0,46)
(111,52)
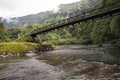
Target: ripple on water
(31,69)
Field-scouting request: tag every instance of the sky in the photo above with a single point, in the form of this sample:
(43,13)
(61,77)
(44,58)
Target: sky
(17,8)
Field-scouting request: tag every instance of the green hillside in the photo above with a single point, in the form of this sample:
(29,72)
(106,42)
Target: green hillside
(65,10)
(105,30)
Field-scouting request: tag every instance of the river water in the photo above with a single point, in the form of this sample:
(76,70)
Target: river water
(66,63)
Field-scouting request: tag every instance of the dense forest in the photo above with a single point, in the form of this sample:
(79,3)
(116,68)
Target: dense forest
(98,31)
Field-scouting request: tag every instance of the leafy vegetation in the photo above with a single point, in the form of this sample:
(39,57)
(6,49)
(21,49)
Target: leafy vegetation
(64,11)
(3,33)
(16,47)
(99,31)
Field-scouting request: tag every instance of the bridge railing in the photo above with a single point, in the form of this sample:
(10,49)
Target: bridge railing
(78,17)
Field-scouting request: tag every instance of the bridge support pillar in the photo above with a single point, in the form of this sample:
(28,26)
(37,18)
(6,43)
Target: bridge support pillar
(35,38)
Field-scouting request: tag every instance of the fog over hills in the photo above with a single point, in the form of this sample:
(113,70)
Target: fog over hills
(64,11)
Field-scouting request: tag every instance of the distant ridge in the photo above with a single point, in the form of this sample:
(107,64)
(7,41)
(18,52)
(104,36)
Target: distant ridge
(65,10)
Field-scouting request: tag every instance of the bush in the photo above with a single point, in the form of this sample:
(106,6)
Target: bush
(16,47)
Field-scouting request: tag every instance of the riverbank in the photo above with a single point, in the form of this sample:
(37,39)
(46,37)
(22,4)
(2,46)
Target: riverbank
(8,49)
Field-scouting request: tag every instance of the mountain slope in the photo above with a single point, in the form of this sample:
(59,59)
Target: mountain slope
(65,10)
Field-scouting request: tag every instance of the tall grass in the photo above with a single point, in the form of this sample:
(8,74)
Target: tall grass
(16,47)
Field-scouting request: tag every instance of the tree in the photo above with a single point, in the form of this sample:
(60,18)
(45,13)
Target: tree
(3,33)
(115,26)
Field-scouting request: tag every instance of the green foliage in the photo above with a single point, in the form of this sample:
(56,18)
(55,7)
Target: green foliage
(96,31)
(3,33)
(14,33)
(24,39)
(16,47)
(115,26)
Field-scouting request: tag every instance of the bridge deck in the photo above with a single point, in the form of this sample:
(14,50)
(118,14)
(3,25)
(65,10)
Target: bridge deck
(89,15)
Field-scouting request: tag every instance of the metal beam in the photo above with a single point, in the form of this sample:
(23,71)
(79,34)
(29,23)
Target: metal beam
(90,17)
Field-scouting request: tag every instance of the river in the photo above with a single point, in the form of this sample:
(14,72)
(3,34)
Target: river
(67,63)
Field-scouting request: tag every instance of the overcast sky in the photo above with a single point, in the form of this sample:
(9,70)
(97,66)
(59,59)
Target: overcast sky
(15,8)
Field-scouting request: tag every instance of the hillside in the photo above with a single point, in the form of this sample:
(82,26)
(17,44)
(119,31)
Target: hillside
(98,31)
(65,10)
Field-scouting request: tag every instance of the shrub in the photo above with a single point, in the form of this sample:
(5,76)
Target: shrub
(16,47)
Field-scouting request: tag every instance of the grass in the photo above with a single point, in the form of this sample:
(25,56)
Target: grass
(16,47)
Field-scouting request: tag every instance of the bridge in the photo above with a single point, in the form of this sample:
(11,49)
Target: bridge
(88,15)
